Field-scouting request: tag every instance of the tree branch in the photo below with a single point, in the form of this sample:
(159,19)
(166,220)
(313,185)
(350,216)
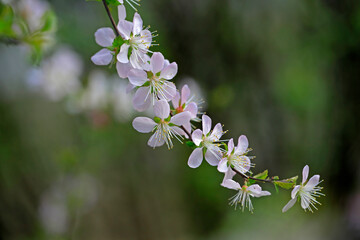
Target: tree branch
(111,18)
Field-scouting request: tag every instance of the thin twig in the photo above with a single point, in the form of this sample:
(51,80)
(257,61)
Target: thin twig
(111,18)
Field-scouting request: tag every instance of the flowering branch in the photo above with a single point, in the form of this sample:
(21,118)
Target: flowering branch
(150,75)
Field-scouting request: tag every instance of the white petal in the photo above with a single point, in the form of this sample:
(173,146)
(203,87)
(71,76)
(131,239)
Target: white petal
(169,91)
(169,72)
(156,141)
(138,24)
(304,203)
(223,167)
(129,88)
(121,12)
(123,54)
(231,184)
(181,119)
(294,191)
(162,109)
(179,131)
(176,100)
(313,181)
(305,174)
(143,124)
(213,156)
(185,94)
(195,158)
(230,146)
(136,60)
(125,28)
(289,205)
(156,62)
(197,137)
(229,174)
(141,101)
(104,37)
(146,38)
(206,124)
(216,133)
(137,77)
(192,108)
(243,144)
(102,57)
(123,69)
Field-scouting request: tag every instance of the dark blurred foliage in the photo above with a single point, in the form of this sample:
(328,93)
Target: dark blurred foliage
(283,72)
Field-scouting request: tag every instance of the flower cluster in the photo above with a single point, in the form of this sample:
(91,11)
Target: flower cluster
(175,112)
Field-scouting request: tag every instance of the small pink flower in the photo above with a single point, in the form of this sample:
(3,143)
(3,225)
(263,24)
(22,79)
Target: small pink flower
(206,140)
(165,126)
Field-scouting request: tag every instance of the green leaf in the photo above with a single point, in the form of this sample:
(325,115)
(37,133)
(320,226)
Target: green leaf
(286,183)
(6,20)
(50,21)
(262,175)
(191,144)
(118,41)
(113,2)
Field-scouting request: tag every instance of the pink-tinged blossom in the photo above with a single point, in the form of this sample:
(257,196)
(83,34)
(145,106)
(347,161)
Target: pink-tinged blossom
(105,37)
(153,83)
(236,157)
(165,127)
(244,194)
(206,141)
(307,191)
(137,42)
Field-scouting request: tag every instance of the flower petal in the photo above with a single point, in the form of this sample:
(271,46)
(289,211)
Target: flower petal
(123,54)
(162,109)
(137,77)
(197,137)
(176,100)
(289,205)
(141,100)
(181,119)
(229,174)
(230,146)
(305,174)
(168,91)
(143,124)
(206,124)
(156,62)
(295,191)
(169,72)
(104,36)
(125,28)
(185,94)
(138,24)
(231,184)
(223,167)
(212,156)
(102,57)
(195,158)
(121,12)
(192,108)
(156,141)
(123,69)
(216,133)
(313,181)
(242,146)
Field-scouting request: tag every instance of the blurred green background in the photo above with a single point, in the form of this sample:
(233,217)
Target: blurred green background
(283,72)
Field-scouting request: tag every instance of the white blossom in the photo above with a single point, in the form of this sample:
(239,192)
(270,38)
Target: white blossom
(244,194)
(153,83)
(165,127)
(307,191)
(206,141)
(236,157)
